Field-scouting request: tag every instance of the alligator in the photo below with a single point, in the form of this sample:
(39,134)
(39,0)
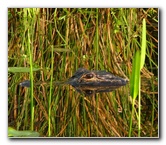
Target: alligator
(91,82)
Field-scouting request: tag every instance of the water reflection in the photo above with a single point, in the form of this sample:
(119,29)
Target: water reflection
(93,90)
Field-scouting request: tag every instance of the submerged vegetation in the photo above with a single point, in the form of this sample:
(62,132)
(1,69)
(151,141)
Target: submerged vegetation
(47,45)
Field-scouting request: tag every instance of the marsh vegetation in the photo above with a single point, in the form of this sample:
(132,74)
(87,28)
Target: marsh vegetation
(47,45)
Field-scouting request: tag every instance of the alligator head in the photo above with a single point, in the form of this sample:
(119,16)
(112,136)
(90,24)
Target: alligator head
(91,82)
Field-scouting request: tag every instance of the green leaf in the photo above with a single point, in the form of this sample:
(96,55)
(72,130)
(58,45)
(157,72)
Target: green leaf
(15,133)
(21,69)
(135,76)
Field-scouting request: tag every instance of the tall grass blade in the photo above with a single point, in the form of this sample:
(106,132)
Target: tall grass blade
(30,50)
(143,54)
(143,48)
(138,63)
(49,101)
(97,58)
(134,82)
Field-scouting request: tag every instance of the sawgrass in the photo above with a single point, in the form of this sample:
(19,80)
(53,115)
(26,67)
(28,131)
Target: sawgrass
(54,43)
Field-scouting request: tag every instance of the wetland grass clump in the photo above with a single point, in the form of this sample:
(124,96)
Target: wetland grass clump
(47,45)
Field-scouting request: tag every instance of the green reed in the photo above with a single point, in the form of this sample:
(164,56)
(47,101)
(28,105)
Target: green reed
(135,81)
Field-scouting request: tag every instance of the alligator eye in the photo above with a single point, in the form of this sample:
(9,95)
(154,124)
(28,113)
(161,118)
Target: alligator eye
(89,76)
(89,92)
